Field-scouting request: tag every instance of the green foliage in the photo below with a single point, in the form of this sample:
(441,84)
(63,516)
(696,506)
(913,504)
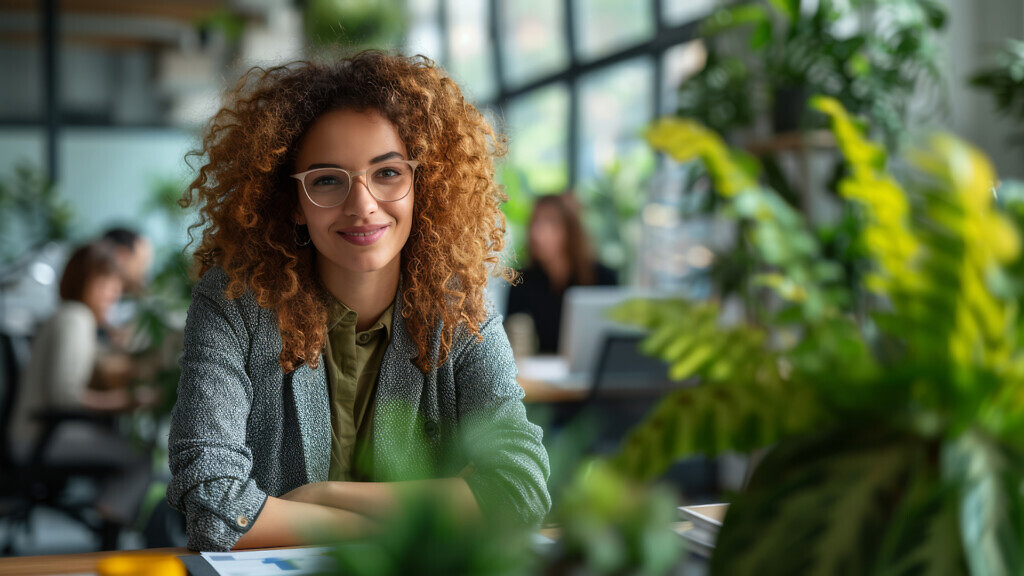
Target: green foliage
(1005,80)
(611,209)
(874,71)
(776,231)
(897,439)
(31,212)
(612,526)
(866,500)
(369,23)
(428,538)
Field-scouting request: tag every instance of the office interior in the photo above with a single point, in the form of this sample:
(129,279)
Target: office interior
(102,100)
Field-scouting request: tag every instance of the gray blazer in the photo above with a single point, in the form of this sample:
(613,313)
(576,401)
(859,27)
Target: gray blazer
(242,429)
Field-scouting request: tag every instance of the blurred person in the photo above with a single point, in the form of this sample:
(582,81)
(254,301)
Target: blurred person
(67,371)
(560,256)
(134,257)
(339,350)
(134,254)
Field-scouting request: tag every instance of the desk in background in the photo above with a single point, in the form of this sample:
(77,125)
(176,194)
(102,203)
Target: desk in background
(546,379)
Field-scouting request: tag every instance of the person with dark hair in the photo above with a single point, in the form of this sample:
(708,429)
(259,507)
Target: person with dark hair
(134,256)
(339,350)
(61,374)
(560,256)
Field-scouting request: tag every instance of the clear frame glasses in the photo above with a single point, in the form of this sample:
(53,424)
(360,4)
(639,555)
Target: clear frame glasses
(388,181)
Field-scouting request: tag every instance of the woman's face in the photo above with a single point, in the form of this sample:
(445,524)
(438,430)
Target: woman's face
(547,234)
(101,292)
(360,235)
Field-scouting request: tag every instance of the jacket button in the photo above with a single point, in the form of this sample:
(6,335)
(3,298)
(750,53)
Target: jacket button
(430,427)
(242,521)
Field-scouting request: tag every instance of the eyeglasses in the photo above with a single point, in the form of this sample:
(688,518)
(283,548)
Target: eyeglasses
(387,182)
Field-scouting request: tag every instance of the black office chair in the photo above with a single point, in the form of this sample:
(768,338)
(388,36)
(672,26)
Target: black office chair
(26,485)
(626,385)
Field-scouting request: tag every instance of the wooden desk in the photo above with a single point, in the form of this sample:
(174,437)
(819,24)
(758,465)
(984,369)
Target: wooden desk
(539,391)
(84,563)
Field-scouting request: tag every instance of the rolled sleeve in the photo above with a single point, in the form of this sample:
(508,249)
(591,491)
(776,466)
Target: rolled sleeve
(210,462)
(511,464)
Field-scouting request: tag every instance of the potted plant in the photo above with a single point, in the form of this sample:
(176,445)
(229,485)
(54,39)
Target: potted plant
(894,441)
(869,54)
(1005,81)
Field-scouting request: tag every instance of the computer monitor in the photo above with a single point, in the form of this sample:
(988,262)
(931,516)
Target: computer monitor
(585,322)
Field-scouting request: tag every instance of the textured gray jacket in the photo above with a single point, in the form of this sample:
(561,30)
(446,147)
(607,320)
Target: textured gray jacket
(242,429)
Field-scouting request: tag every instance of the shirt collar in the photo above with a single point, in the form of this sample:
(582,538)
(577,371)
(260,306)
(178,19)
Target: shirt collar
(340,315)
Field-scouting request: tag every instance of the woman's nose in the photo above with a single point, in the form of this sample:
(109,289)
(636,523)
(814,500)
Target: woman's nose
(360,201)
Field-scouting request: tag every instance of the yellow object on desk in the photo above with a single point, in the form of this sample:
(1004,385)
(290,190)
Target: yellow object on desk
(140,565)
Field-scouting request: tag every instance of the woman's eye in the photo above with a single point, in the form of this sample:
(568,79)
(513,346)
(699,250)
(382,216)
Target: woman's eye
(388,172)
(325,181)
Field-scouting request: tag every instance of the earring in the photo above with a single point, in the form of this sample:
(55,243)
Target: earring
(301,234)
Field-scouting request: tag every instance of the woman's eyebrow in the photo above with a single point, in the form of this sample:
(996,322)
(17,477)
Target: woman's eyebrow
(374,160)
(387,156)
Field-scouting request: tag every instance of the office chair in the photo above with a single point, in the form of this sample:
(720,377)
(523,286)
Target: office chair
(28,484)
(626,385)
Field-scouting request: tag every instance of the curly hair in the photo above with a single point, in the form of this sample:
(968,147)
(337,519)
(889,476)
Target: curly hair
(245,193)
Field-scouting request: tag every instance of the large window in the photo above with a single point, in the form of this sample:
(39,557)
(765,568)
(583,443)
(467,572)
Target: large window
(573,81)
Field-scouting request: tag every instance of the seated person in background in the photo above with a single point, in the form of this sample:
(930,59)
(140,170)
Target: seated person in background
(560,257)
(66,371)
(134,255)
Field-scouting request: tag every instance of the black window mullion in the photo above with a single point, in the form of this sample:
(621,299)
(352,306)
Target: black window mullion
(572,143)
(659,58)
(494,26)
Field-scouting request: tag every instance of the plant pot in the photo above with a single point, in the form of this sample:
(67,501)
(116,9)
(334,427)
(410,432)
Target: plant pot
(789,105)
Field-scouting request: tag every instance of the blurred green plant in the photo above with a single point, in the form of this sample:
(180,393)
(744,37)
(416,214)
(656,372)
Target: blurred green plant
(1005,82)
(517,210)
(428,538)
(162,308)
(366,23)
(869,54)
(32,213)
(896,443)
(611,525)
(611,210)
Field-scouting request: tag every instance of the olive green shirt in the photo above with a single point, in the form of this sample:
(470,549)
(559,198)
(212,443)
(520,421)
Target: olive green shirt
(353,362)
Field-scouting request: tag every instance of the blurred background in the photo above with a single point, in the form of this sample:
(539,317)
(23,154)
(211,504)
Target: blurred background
(102,99)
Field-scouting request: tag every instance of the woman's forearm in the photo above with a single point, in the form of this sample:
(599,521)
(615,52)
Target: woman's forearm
(382,499)
(292,523)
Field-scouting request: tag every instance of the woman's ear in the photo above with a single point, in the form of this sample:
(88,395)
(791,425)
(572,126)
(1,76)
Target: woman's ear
(298,217)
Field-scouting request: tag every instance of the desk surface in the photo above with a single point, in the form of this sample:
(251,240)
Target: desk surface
(84,563)
(547,379)
(540,391)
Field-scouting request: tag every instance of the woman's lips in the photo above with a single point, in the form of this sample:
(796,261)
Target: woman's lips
(363,235)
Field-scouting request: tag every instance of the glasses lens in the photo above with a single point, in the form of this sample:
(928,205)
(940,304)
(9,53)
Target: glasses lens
(390,181)
(327,186)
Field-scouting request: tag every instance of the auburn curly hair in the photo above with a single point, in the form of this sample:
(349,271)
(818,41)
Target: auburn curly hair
(246,197)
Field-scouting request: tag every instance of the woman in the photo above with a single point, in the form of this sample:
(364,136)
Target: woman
(338,351)
(69,370)
(560,257)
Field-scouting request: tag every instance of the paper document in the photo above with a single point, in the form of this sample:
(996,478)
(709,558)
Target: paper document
(287,561)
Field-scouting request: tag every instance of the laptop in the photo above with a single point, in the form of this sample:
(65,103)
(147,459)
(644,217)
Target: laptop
(585,325)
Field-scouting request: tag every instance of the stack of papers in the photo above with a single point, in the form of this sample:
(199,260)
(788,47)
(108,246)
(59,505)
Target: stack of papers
(281,561)
(707,521)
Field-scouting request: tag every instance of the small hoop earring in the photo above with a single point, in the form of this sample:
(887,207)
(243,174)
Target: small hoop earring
(301,236)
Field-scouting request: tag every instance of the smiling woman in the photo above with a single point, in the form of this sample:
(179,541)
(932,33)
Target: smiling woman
(339,351)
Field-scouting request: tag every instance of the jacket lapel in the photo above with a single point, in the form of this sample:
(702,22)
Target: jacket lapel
(313,412)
